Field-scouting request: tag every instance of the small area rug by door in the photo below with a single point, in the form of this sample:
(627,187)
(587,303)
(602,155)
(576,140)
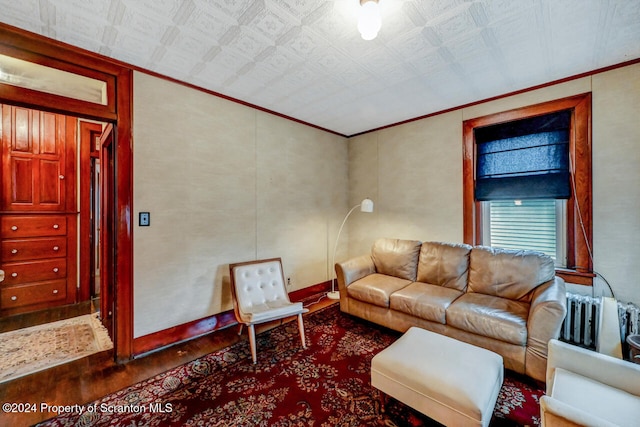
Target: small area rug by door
(327,384)
(33,349)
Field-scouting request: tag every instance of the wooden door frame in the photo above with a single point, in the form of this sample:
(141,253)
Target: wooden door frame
(88,133)
(107,216)
(118,111)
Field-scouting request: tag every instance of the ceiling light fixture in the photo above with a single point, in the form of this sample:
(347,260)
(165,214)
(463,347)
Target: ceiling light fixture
(369,20)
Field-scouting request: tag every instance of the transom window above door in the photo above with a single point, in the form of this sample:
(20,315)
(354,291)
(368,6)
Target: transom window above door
(29,75)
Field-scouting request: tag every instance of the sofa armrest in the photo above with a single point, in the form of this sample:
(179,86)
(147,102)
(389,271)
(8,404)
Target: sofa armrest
(546,314)
(554,412)
(605,369)
(353,269)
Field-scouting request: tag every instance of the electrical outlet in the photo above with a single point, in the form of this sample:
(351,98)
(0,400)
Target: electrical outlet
(144,219)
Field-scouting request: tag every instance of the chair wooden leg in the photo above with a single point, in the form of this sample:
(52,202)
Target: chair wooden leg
(252,343)
(301,329)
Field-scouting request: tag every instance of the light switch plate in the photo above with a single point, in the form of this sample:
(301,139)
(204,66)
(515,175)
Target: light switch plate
(144,219)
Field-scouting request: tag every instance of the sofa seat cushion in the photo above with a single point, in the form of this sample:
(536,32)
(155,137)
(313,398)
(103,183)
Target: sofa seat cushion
(494,317)
(376,288)
(425,301)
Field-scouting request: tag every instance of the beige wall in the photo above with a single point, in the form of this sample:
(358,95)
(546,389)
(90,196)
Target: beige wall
(224,183)
(616,179)
(227,183)
(414,174)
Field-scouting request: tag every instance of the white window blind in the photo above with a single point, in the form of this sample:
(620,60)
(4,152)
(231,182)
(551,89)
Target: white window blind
(534,224)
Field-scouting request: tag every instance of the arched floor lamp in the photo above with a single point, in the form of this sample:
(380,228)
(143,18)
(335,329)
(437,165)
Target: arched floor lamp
(365,206)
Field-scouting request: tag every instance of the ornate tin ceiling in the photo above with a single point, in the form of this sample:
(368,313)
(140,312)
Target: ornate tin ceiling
(305,58)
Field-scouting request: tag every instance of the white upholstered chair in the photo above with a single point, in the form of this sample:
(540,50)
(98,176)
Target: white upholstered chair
(587,388)
(260,295)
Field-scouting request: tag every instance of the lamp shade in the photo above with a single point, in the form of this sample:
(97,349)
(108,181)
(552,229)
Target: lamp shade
(366,206)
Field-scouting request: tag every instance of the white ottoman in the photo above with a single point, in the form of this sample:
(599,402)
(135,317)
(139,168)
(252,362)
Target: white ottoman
(452,382)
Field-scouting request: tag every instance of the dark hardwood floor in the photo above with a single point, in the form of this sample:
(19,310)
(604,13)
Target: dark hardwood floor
(88,379)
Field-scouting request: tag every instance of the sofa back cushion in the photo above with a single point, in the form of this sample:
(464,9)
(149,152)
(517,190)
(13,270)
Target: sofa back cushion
(396,257)
(444,264)
(508,273)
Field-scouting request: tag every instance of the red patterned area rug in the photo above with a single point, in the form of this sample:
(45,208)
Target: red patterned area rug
(327,384)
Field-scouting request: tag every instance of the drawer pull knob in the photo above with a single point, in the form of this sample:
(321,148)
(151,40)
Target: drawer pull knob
(14,274)
(56,226)
(14,298)
(14,227)
(55,269)
(61,176)
(56,248)
(55,291)
(14,251)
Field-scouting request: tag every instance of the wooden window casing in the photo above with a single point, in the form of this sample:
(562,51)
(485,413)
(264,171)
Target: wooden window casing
(579,205)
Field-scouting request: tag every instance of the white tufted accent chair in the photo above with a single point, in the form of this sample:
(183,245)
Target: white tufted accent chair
(260,295)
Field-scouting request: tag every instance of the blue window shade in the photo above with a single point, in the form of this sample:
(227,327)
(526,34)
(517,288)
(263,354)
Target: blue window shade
(524,159)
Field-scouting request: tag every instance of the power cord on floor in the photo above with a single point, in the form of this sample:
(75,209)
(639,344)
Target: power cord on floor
(322,296)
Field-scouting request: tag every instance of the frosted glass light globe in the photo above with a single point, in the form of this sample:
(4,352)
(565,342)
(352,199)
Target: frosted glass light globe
(369,21)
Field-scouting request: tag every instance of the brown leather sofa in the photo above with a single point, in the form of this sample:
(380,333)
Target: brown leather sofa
(506,301)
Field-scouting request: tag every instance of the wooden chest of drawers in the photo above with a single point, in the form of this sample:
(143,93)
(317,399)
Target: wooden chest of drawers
(39,196)
(35,251)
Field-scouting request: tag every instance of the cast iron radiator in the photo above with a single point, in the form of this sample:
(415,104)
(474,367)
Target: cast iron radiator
(583,312)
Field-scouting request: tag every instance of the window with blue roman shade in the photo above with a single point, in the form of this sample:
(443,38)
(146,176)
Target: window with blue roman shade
(524,159)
